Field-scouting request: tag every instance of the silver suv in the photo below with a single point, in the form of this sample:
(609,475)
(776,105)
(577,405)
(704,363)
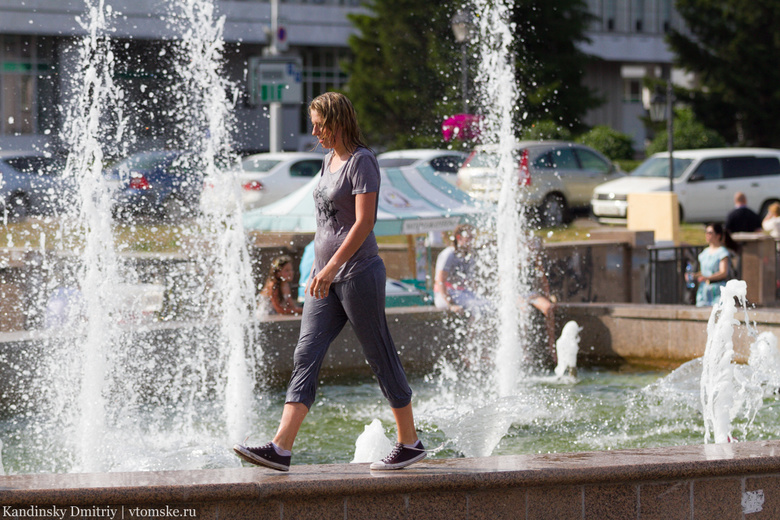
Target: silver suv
(555,177)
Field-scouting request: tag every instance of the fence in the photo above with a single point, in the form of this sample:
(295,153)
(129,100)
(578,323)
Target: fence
(666,283)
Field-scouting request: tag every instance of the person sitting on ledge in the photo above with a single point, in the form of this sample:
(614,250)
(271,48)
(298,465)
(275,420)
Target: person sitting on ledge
(453,285)
(277,291)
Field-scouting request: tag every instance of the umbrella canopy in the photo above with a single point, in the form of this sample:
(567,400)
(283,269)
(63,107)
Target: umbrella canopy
(411,200)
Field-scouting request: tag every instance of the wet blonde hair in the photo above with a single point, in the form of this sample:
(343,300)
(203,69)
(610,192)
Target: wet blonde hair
(338,114)
(774,209)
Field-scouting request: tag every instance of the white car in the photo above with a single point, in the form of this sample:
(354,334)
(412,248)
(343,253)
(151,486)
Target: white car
(267,177)
(704,180)
(445,163)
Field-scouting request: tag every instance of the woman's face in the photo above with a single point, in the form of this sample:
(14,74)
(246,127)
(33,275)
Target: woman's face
(325,138)
(286,273)
(712,237)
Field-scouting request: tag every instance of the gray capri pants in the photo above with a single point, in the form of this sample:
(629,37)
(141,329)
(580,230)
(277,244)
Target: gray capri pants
(361,300)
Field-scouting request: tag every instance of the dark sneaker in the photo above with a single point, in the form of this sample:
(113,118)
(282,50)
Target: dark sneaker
(401,456)
(263,456)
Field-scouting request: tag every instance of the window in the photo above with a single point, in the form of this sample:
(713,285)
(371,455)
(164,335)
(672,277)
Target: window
(545,161)
(305,168)
(632,91)
(22,75)
(737,167)
(591,161)
(565,159)
(709,170)
(448,164)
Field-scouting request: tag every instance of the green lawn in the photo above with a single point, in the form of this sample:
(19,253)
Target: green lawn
(166,238)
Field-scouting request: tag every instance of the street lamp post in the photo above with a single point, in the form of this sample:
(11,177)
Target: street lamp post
(461,28)
(661,108)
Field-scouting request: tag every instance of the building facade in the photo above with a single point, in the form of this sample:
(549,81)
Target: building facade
(38,41)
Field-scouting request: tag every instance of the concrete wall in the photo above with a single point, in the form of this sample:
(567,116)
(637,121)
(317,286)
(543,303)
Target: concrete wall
(705,482)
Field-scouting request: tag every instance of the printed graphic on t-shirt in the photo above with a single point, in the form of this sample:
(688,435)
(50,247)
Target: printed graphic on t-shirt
(326,208)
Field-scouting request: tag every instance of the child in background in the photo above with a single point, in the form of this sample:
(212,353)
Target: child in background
(277,290)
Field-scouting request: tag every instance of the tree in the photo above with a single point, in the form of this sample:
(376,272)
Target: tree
(735,53)
(404,76)
(550,67)
(615,145)
(399,76)
(689,134)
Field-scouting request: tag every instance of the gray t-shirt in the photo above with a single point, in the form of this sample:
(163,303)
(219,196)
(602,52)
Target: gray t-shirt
(334,199)
(459,268)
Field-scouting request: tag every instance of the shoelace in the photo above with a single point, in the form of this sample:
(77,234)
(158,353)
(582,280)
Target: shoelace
(399,446)
(269,445)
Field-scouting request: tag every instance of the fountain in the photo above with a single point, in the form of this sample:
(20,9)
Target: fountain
(112,399)
(103,383)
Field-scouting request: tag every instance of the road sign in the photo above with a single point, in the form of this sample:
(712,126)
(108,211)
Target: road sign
(275,80)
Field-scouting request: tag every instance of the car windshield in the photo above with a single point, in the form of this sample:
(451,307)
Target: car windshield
(259,165)
(659,167)
(397,162)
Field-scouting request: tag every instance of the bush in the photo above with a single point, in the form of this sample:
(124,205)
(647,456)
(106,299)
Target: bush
(545,131)
(689,134)
(615,145)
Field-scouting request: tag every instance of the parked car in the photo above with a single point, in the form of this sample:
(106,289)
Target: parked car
(268,177)
(445,163)
(556,177)
(159,183)
(704,180)
(32,183)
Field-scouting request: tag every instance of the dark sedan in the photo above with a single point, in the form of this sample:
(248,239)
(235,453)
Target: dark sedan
(32,184)
(161,184)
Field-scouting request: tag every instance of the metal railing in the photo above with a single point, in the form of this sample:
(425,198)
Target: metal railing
(665,281)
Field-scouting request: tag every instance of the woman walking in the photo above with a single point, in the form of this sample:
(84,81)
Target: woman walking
(347,284)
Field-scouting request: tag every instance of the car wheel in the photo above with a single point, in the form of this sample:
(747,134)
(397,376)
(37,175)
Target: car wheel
(18,206)
(553,211)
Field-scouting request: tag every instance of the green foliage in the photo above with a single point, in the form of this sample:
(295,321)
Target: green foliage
(610,142)
(549,65)
(627,165)
(689,134)
(398,80)
(546,130)
(735,51)
(405,71)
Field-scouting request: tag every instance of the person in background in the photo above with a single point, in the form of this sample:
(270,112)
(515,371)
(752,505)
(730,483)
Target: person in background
(742,219)
(771,222)
(304,268)
(454,276)
(347,284)
(277,290)
(714,265)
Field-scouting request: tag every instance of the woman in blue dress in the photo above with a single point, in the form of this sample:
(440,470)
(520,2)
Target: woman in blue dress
(714,263)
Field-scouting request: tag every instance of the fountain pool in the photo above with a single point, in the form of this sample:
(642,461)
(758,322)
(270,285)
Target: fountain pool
(602,410)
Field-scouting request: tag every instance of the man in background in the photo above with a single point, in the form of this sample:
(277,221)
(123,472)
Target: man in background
(742,219)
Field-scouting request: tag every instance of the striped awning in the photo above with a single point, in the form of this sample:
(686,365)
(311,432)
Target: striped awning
(412,200)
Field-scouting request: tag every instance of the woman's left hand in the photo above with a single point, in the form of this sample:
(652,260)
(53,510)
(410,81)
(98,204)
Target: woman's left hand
(319,286)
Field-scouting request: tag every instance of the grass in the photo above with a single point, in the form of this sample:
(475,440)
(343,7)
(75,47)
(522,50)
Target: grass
(580,230)
(33,233)
(168,238)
